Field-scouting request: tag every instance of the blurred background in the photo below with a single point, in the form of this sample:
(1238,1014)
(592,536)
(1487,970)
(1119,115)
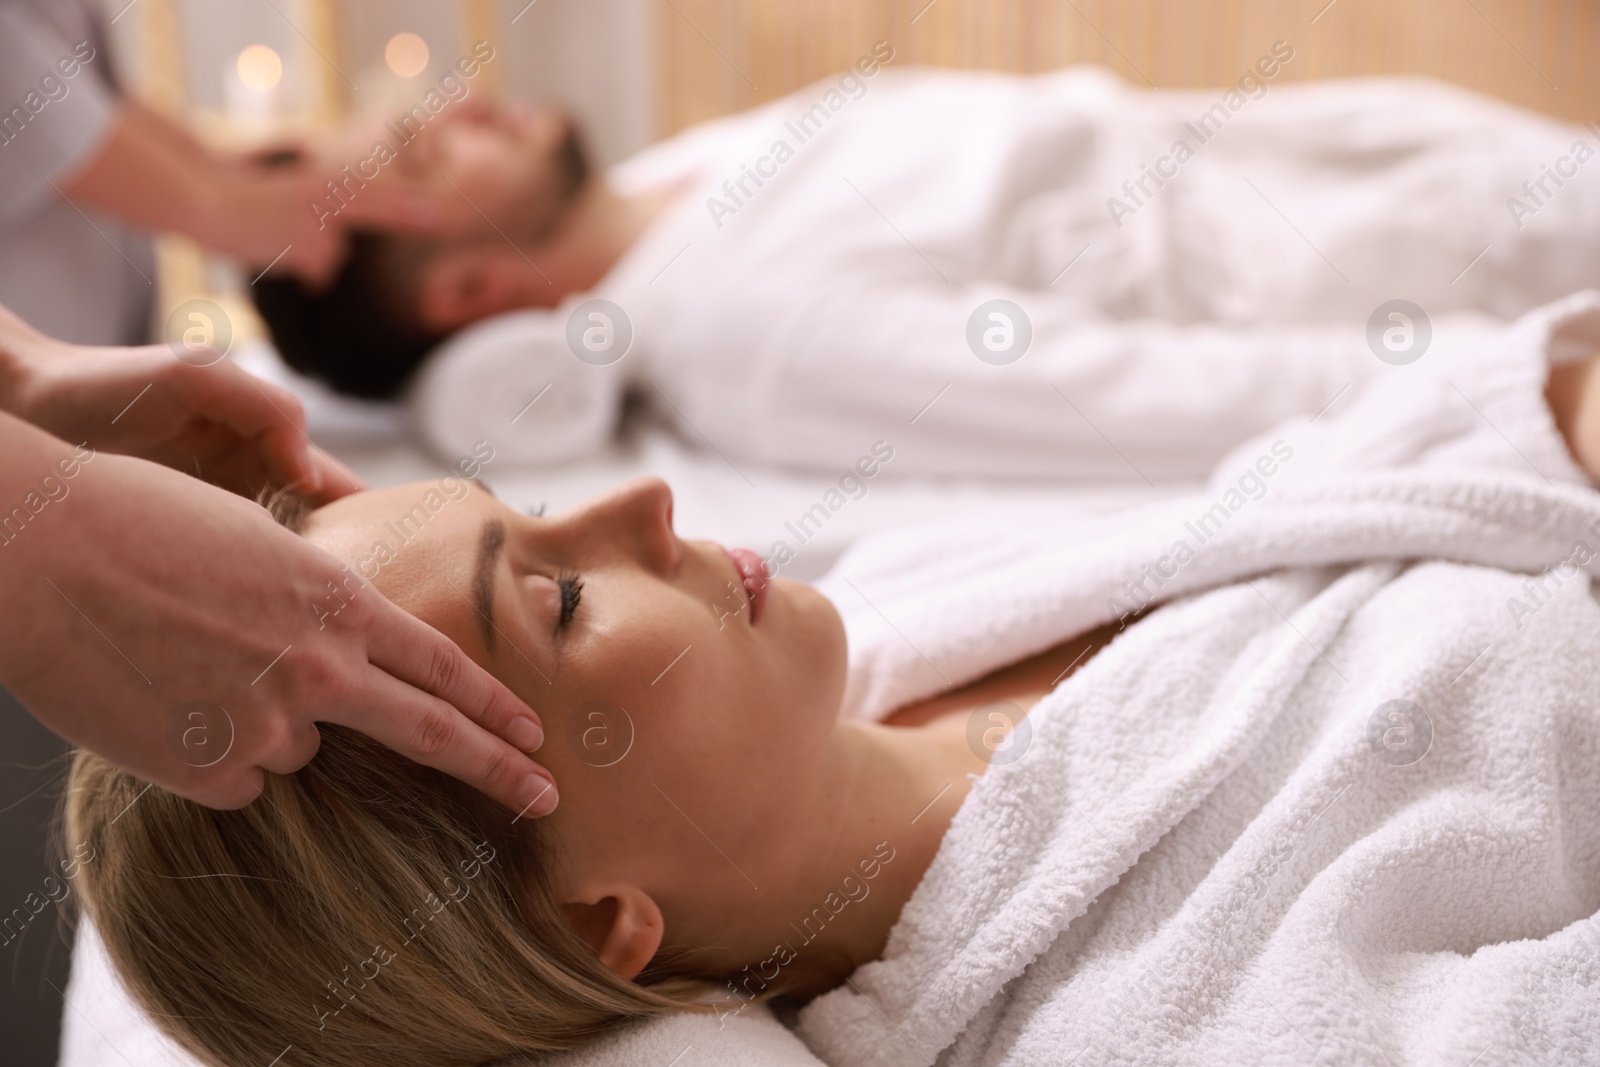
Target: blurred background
(633,71)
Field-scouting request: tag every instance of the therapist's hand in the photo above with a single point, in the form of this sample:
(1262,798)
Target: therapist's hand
(216,422)
(284,216)
(153,172)
(142,591)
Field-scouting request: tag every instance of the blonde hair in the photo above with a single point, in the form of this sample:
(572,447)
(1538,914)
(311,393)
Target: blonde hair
(365,911)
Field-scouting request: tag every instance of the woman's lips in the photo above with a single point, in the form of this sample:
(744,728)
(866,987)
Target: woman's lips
(753,576)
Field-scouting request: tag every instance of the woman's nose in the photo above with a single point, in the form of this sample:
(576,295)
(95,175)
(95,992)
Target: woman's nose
(637,518)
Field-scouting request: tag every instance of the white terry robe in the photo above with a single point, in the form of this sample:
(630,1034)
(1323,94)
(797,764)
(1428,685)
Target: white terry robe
(831,309)
(1336,801)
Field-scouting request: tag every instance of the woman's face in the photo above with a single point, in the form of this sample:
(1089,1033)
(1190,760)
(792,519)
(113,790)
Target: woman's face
(677,720)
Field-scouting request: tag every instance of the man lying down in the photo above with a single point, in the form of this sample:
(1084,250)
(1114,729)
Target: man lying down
(1308,773)
(803,274)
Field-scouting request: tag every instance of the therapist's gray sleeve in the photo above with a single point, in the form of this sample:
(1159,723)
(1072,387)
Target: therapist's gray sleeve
(50,124)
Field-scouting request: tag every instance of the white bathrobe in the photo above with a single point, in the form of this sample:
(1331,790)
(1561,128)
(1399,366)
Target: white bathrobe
(1336,800)
(831,307)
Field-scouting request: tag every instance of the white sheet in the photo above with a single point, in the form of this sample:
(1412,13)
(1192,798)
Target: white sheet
(103,1026)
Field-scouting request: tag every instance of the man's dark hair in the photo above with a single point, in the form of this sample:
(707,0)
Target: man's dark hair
(359,334)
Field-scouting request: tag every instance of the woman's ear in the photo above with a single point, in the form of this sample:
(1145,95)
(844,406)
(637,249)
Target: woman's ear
(623,925)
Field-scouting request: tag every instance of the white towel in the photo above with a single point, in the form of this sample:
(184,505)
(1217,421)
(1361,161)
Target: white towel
(1227,842)
(104,1028)
(514,381)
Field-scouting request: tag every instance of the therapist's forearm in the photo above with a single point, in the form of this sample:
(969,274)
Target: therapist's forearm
(154,175)
(35,464)
(172,136)
(31,455)
(157,176)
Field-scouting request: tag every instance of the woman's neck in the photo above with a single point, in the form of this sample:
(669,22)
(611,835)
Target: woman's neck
(875,816)
(838,876)
(899,788)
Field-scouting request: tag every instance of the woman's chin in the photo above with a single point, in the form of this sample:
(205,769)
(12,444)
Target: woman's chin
(810,636)
(800,606)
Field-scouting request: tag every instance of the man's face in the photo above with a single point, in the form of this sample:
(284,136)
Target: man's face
(504,177)
(506,166)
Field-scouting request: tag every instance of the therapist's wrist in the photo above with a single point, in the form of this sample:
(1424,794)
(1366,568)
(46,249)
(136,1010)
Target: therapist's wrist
(218,200)
(262,217)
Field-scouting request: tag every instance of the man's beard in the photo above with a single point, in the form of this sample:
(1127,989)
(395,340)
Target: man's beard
(571,164)
(566,178)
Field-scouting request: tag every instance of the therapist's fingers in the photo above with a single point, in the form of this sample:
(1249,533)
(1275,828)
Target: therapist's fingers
(431,732)
(333,477)
(471,109)
(293,461)
(431,703)
(271,422)
(255,410)
(393,203)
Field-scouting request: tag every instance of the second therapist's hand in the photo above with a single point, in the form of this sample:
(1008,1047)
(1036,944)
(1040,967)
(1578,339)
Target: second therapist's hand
(153,606)
(216,422)
(155,173)
(286,217)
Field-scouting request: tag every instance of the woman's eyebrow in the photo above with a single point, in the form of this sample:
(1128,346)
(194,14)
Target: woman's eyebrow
(489,544)
(481,484)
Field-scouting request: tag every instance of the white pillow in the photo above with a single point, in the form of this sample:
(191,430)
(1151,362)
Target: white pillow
(102,1027)
(513,381)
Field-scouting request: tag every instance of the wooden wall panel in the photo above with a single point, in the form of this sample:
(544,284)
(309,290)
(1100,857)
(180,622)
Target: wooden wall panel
(720,56)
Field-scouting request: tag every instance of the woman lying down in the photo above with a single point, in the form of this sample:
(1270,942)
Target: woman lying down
(1311,770)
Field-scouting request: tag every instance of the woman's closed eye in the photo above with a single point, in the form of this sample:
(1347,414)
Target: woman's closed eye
(571,587)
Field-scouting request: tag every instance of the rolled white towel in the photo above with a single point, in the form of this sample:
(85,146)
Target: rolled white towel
(515,382)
